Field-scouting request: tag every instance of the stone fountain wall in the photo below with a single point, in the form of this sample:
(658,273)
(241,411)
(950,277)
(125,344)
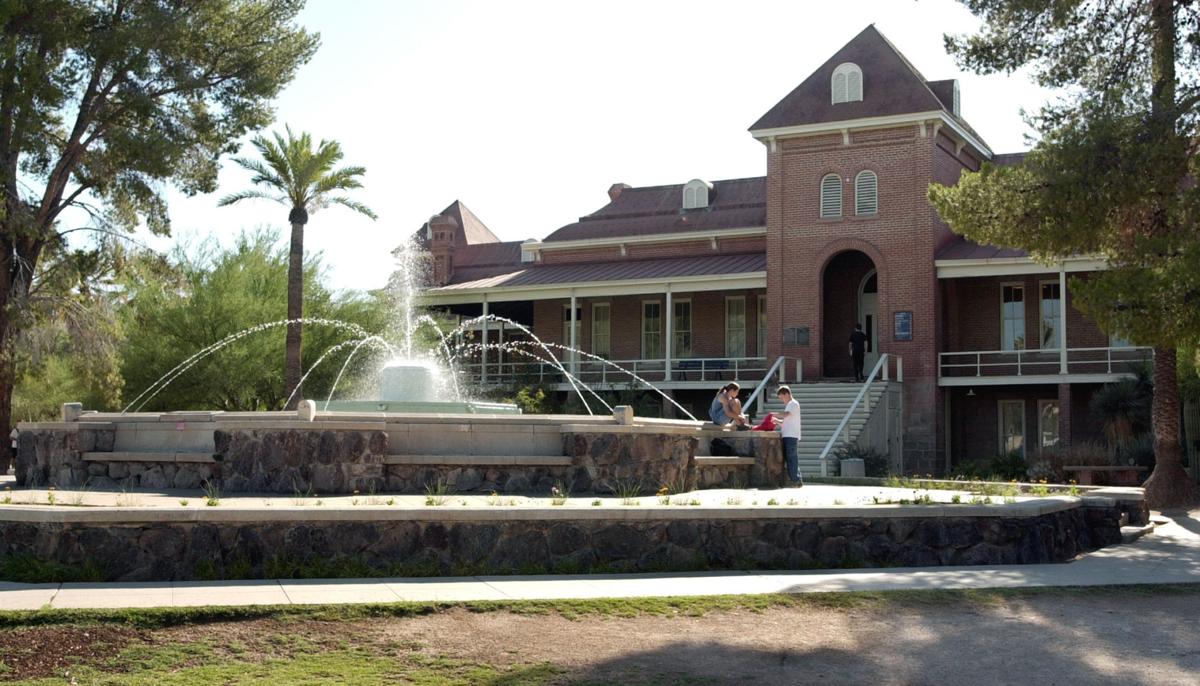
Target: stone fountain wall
(222,543)
(335,455)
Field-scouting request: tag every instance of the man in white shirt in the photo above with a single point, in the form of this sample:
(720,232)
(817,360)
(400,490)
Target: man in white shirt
(790,431)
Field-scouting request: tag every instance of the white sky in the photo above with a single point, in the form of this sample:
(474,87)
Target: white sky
(529,111)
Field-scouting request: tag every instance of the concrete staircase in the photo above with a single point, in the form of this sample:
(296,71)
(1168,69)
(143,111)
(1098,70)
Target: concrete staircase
(822,406)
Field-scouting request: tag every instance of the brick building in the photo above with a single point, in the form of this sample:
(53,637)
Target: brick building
(693,284)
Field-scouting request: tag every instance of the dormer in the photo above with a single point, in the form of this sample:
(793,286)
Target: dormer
(846,84)
(695,194)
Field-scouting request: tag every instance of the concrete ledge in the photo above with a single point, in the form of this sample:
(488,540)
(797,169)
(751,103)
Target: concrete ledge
(708,461)
(129,456)
(480,460)
(453,513)
(687,429)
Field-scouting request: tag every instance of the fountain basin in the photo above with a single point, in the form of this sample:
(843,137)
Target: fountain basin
(422,406)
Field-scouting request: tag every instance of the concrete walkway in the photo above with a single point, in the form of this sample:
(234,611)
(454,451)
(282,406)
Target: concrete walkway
(1170,554)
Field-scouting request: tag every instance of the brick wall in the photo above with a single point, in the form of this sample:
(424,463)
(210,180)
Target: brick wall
(973,314)
(708,321)
(900,241)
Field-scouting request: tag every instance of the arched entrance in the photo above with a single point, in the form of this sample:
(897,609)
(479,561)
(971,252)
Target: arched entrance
(850,296)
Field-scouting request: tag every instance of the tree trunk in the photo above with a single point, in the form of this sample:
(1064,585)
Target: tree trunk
(295,310)
(1169,486)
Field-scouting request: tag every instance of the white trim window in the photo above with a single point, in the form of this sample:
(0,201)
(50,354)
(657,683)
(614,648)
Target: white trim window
(652,330)
(1048,424)
(1051,309)
(695,194)
(761,342)
(866,193)
(1012,316)
(846,84)
(831,196)
(568,354)
(681,329)
(602,329)
(1012,426)
(735,326)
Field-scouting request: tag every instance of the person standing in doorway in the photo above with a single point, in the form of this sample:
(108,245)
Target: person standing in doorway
(858,350)
(790,432)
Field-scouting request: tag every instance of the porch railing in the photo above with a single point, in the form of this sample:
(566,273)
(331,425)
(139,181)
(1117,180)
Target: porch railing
(595,372)
(983,363)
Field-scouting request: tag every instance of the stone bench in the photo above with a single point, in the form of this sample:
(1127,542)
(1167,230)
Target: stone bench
(1119,475)
(480,460)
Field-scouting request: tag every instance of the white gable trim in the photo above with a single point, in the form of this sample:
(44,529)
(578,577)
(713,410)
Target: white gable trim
(918,118)
(584,243)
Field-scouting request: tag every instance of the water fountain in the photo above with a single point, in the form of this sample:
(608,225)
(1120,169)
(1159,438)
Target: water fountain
(413,386)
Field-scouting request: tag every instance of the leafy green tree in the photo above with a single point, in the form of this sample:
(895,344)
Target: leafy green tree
(105,104)
(210,293)
(304,179)
(1112,174)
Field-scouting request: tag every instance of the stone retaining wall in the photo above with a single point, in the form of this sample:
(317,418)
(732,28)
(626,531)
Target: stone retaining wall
(454,542)
(331,461)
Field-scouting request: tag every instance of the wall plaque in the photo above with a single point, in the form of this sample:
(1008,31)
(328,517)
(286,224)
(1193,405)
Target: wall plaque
(902,328)
(795,335)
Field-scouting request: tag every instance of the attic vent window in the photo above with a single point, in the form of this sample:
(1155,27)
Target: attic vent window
(529,251)
(831,197)
(847,83)
(695,194)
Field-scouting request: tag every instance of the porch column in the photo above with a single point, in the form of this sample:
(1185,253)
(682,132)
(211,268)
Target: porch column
(500,351)
(1064,415)
(1062,318)
(667,345)
(574,342)
(483,349)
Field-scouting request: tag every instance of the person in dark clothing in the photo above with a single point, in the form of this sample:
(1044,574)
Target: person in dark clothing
(858,349)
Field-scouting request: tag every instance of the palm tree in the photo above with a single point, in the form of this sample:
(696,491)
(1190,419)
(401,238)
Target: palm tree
(294,174)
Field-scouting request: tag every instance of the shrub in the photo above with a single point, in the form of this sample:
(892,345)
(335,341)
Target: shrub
(1009,466)
(874,462)
(1139,451)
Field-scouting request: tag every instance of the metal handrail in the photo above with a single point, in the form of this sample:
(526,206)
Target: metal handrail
(1019,358)
(862,393)
(766,378)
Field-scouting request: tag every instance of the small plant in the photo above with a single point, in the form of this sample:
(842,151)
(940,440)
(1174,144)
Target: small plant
(733,500)
(437,493)
(318,502)
(694,502)
(596,503)
(956,499)
(51,495)
(1009,500)
(183,502)
(664,496)
(793,502)
(838,501)
(627,490)
(772,502)
(212,495)
(494,499)
(391,501)
(559,494)
(304,497)
(1040,489)
(1073,488)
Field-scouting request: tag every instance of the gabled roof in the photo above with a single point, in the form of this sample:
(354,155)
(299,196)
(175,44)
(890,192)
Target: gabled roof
(962,249)
(625,270)
(650,210)
(471,229)
(891,85)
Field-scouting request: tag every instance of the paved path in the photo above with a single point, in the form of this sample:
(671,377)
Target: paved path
(1171,554)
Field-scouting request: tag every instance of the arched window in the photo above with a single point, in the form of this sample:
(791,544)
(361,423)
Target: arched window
(831,196)
(847,83)
(866,193)
(695,194)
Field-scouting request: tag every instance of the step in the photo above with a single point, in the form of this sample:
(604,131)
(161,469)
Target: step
(723,461)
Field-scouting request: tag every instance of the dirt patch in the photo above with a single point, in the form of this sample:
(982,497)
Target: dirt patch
(1109,637)
(40,652)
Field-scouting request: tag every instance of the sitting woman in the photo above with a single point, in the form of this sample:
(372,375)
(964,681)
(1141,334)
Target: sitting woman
(726,407)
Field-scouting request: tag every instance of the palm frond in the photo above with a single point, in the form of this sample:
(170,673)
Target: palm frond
(343,179)
(352,204)
(249,194)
